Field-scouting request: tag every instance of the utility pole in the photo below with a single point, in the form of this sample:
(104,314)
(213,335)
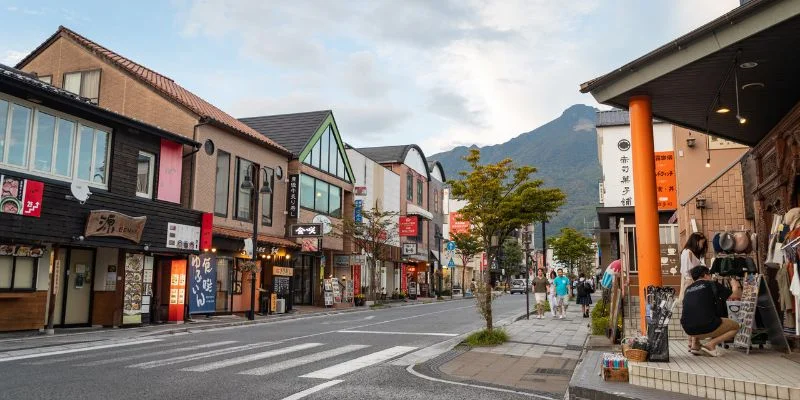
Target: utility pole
(544,246)
(527,241)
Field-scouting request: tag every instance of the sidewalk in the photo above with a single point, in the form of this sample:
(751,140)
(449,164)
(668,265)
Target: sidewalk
(540,355)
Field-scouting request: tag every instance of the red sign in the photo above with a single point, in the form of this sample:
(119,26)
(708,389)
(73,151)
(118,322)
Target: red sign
(403,279)
(206,231)
(408,226)
(666,187)
(356,279)
(177,290)
(170,162)
(21,196)
(458,225)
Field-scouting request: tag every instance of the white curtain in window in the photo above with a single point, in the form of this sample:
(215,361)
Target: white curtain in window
(90,85)
(23,273)
(143,175)
(72,82)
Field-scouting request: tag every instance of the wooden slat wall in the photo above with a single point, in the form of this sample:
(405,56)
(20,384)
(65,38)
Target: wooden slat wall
(24,312)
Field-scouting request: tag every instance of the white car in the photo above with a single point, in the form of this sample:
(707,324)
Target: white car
(517,286)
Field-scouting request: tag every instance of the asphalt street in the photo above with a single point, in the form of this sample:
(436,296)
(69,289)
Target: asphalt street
(351,355)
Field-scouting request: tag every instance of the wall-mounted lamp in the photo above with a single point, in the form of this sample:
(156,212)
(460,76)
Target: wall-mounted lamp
(147,247)
(78,238)
(690,142)
(213,249)
(700,203)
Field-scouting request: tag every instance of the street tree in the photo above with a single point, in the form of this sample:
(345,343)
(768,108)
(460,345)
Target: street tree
(572,248)
(467,247)
(500,198)
(373,235)
(512,257)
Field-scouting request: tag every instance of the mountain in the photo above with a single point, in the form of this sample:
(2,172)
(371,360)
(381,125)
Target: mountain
(564,152)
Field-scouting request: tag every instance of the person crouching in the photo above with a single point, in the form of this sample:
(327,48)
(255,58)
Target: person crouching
(704,309)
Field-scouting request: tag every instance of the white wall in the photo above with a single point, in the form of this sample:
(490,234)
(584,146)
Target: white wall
(369,173)
(415,161)
(615,169)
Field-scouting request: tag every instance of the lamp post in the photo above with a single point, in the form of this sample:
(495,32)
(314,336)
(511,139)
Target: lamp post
(527,241)
(439,237)
(252,184)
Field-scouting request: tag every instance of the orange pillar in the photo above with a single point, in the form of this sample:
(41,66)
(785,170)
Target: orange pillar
(644,182)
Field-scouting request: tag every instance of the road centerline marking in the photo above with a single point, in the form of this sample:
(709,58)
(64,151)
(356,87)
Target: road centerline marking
(359,363)
(315,389)
(400,333)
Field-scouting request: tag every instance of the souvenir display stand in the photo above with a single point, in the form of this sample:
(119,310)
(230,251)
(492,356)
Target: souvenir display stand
(759,319)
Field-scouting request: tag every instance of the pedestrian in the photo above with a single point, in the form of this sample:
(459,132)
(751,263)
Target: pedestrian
(562,292)
(704,311)
(584,289)
(552,292)
(540,285)
(472,286)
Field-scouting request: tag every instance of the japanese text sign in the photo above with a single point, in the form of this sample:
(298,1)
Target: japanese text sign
(21,196)
(457,224)
(293,196)
(306,230)
(114,224)
(666,186)
(408,226)
(202,284)
(359,206)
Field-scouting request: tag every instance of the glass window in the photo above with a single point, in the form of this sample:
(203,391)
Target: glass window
(6,271)
(64,140)
(100,151)
(307,191)
(335,202)
(3,122)
(435,200)
(86,141)
(72,82)
(222,183)
(18,136)
(84,83)
(244,203)
(317,154)
(145,164)
(17,273)
(48,79)
(322,200)
(325,153)
(419,191)
(266,199)
(45,135)
(409,187)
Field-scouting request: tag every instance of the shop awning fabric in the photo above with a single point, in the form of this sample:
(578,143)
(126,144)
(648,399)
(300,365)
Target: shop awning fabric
(418,211)
(685,77)
(237,234)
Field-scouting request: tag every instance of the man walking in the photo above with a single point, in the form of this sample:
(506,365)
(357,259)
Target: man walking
(540,285)
(562,292)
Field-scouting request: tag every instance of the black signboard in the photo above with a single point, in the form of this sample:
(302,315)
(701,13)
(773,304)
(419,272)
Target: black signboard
(281,285)
(306,230)
(293,196)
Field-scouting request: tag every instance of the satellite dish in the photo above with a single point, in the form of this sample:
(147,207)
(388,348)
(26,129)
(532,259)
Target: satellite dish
(325,221)
(80,191)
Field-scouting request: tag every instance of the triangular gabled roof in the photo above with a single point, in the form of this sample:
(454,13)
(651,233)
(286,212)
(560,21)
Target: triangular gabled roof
(394,155)
(292,131)
(160,83)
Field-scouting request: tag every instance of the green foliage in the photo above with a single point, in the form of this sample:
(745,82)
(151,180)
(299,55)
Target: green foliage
(600,318)
(565,152)
(573,249)
(500,198)
(512,257)
(600,309)
(599,326)
(467,247)
(487,337)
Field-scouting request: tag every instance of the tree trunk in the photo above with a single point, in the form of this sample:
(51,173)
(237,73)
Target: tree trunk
(487,279)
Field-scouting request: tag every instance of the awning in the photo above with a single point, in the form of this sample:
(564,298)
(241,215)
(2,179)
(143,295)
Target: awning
(419,211)
(689,78)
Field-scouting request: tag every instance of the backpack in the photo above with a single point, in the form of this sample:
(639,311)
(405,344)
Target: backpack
(585,288)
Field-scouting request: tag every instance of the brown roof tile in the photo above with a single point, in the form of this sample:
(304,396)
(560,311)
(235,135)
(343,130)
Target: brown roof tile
(162,84)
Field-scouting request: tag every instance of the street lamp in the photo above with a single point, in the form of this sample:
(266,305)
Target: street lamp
(253,186)
(439,237)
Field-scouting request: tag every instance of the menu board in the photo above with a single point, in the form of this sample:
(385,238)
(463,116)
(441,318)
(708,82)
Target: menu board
(337,293)
(747,311)
(185,237)
(281,284)
(134,267)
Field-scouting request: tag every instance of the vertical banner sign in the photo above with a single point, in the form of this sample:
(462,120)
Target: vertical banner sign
(21,196)
(359,205)
(666,188)
(293,195)
(403,278)
(357,279)
(408,226)
(170,161)
(132,303)
(177,290)
(206,231)
(202,284)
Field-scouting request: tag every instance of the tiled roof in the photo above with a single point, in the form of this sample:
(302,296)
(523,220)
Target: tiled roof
(292,131)
(386,154)
(162,84)
(237,234)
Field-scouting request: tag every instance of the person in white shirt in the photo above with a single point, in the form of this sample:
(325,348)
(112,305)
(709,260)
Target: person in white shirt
(693,255)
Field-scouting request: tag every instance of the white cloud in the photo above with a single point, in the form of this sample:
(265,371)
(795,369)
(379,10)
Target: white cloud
(12,57)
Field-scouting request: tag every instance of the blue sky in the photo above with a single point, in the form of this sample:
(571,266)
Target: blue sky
(433,72)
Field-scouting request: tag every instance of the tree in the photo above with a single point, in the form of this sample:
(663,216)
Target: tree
(572,248)
(467,247)
(500,198)
(512,257)
(373,236)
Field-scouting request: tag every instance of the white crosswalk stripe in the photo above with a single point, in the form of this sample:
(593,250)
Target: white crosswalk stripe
(359,363)
(296,362)
(251,357)
(198,356)
(78,349)
(86,356)
(160,353)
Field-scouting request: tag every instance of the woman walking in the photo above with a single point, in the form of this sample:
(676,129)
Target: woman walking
(584,289)
(552,293)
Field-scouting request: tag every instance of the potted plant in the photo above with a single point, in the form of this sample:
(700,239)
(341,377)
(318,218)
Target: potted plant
(359,300)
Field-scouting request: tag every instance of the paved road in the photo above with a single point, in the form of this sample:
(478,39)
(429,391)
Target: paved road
(353,355)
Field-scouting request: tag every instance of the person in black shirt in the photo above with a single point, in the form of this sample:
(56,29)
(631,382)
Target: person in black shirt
(704,310)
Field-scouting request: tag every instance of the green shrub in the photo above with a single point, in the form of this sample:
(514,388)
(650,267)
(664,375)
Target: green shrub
(485,338)
(600,309)
(599,325)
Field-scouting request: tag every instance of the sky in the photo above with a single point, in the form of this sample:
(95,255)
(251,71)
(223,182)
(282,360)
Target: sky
(437,73)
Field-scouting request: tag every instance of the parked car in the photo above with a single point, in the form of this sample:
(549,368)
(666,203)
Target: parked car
(518,286)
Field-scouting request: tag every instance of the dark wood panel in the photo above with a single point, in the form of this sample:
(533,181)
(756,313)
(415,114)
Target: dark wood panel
(23,313)
(103,308)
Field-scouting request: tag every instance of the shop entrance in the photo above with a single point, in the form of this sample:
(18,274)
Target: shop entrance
(303,279)
(76,291)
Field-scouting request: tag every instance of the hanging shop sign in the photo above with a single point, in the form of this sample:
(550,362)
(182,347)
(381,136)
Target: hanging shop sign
(282,271)
(357,210)
(310,245)
(357,279)
(206,231)
(20,250)
(293,196)
(184,237)
(132,297)
(666,184)
(408,226)
(21,196)
(170,163)
(177,290)
(341,260)
(306,230)
(114,224)
(360,190)
(409,249)
(458,224)
(203,284)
